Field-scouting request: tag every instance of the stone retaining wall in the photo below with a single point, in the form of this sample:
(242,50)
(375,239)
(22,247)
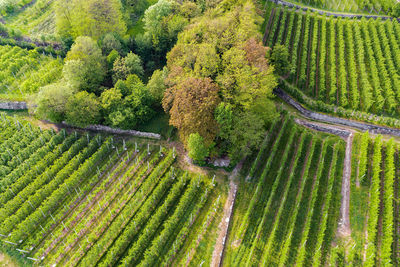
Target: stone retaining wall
(376,129)
(13,105)
(106,129)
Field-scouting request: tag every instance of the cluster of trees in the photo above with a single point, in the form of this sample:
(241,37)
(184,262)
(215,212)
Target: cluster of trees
(93,18)
(103,81)
(219,84)
(218,77)
(81,97)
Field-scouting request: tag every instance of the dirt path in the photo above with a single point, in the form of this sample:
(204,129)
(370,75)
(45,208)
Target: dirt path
(344,229)
(224,224)
(6,261)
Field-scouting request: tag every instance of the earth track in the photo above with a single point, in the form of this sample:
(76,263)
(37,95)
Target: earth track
(223,227)
(344,228)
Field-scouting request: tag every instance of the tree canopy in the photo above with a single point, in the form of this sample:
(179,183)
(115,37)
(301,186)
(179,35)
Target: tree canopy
(191,104)
(83,109)
(85,67)
(198,151)
(51,101)
(223,48)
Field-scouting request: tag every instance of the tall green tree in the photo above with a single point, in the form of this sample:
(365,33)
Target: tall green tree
(83,109)
(156,85)
(127,104)
(247,133)
(191,105)
(198,150)
(224,48)
(280,59)
(85,66)
(51,101)
(123,67)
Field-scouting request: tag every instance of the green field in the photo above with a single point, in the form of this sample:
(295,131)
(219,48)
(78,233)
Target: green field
(375,202)
(78,199)
(381,7)
(289,200)
(353,64)
(23,72)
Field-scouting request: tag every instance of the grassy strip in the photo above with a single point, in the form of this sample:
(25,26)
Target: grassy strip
(285,207)
(268,214)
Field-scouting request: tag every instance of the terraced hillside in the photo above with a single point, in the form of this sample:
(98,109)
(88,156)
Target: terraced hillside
(350,63)
(288,204)
(353,6)
(35,19)
(78,199)
(23,72)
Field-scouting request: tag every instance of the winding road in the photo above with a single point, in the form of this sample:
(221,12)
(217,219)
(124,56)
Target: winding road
(372,128)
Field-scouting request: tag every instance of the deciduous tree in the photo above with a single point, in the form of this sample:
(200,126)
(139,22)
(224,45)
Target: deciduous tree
(191,105)
(51,101)
(83,109)
(85,66)
(198,151)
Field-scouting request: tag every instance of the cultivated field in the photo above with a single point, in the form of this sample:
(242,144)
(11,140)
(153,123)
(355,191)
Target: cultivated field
(350,63)
(78,199)
(353,6)
(288,203)
(23,72)
(375,202)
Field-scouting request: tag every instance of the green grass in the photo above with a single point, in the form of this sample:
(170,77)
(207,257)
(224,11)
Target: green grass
(201,246)
(358,201)
(158,124)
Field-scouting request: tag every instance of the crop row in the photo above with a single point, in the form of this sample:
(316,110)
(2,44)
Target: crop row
(350,63)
